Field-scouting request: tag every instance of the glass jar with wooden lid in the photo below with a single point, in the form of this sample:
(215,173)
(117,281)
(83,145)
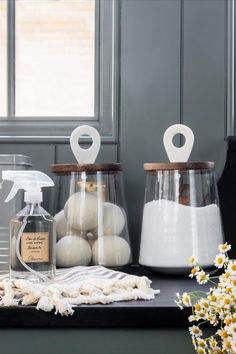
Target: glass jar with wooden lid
(88,202)
(181,215)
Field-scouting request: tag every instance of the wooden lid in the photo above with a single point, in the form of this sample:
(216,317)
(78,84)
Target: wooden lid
(89,168)
(179,166)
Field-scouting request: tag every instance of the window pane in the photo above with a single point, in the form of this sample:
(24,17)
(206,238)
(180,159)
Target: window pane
(55,41)
(3,57)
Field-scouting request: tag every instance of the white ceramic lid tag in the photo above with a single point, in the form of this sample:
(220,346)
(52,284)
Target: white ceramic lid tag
(178,154)
(85,156)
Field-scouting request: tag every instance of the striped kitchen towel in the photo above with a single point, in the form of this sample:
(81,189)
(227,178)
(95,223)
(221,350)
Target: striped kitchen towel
(76,286)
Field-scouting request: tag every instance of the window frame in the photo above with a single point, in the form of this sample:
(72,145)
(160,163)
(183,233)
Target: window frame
(58,129)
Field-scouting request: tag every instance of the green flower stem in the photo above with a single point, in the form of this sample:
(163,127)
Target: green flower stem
(213,282)
(202,323)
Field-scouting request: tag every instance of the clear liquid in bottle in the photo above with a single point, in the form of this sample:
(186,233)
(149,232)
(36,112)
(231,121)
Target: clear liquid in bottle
(37,244)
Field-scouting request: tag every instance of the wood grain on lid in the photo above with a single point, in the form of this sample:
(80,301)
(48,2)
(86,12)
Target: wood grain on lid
(179,166)
(89,168)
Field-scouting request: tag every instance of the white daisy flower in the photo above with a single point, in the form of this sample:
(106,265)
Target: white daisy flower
(201,351)
(220,260)
(227,346)
(202,277)
(213,343)
(232,267)
(195,331)
(192,318)
(186,299)
(233,344)
(194,272)
(224,248)
(179,304)
(222,333)
(202,343)
(193,261)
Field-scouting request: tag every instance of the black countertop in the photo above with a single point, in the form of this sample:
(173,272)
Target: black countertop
(160,312)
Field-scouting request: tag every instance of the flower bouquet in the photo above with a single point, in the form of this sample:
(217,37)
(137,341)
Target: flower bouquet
(216,307)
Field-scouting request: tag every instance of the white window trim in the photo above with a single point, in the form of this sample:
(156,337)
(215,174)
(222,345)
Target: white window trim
(58,129)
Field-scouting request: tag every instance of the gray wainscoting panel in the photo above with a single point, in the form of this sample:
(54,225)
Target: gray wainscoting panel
(42,155)
(150,92)
(204,77)
(108,153)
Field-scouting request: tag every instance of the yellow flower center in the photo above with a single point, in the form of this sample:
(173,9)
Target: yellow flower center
(200,351)
(224,334)
(227,275)
(219,260)
(195,330)
(186,299)
(228,345)
(224,247)
(192,260)
(233,267)
(234,282)
(228,321)
(194,271)
(197,307)
(201,343)
(227,290)
(226,301)
(203,276)
(205,304)
(213,298)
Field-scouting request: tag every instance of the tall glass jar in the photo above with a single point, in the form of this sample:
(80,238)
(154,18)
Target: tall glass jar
(89,206)
(181,216)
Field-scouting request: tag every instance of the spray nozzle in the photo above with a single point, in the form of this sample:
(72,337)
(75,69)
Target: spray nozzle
(30,181)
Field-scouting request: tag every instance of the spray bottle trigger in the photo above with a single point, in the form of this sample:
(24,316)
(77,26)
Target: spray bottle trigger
(12,193)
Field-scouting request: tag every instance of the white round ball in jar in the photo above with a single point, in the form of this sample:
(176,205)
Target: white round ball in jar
(81,211)
(76,232)
(113,220)
(116,251)
(61,224)
(72,251)
(62,229)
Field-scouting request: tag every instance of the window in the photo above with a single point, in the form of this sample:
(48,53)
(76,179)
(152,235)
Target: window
(54,58)
(58,64)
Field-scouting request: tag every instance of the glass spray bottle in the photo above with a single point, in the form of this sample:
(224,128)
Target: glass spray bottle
(33,238)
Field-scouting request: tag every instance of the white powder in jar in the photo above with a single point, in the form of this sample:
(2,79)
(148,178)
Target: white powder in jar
(172,233)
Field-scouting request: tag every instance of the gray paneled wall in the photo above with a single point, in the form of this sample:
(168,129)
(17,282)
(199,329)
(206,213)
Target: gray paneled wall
(172,69)
(204,75)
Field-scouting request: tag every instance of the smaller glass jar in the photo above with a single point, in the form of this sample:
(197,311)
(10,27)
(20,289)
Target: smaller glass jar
(89,206)
(181,216)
